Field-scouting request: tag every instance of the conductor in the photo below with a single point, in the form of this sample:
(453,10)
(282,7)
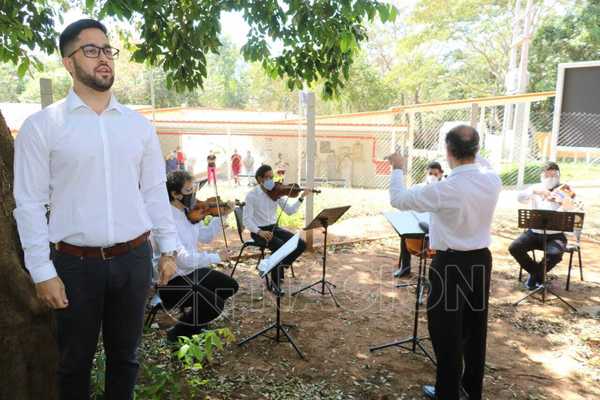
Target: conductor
(461,207)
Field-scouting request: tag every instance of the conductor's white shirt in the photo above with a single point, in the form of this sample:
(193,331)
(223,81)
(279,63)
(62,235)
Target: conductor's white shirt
(261,210)
(461,206)
(103,177)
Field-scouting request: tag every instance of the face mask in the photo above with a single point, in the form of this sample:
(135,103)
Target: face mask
(431,179)
(550,183)
(188,200)
(268,184)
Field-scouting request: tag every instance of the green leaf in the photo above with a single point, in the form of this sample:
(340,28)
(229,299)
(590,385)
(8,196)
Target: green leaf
(23,67)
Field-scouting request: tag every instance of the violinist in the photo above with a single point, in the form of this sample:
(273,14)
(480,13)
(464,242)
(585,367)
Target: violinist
(549,194)
(261,220)
(214,286)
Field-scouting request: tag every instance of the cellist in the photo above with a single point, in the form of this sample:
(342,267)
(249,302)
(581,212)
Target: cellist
(260,218)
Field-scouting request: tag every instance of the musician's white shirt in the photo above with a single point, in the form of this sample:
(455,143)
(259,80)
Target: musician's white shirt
(461,206)
(261,210)
(189,235)
(103,177)
(537,202)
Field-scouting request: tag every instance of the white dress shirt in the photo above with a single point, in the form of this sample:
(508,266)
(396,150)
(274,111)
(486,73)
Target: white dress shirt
(261,210)
(189,258)
(103,177)
(461,206)
(537,202)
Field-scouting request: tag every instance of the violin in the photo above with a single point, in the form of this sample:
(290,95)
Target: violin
(563,194)
(211,206)
(290,190)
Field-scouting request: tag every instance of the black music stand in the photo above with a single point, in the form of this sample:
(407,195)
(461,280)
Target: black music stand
(546,220)
(265,267)
(327,217)
(408,224)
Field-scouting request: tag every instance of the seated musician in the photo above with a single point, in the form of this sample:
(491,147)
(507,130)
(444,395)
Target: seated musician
(260,218)
(214,287)
(543,196)
(434,173)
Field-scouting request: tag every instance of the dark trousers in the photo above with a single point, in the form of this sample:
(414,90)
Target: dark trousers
(280,236)
(404,255)
(555,247)
(457,312)
(204,290)
(110,295)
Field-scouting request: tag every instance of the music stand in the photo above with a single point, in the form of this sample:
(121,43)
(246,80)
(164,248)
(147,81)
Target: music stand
(546,220)
(408,224)
(326,217)
(265,266)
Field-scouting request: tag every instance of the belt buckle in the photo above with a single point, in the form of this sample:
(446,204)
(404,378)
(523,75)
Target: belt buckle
(104,257)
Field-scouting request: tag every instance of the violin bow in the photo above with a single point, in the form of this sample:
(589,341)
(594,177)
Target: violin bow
(220,215)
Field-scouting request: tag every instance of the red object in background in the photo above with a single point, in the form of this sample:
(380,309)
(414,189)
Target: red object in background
(180,157)
(236,163)
(382,167)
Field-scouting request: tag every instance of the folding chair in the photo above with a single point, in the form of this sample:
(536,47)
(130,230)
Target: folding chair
(239,220)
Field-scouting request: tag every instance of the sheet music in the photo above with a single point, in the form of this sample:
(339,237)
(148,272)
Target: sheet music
(268,263)
(407,222)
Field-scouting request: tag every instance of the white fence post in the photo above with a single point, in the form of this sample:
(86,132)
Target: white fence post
(311,149)
(523,127)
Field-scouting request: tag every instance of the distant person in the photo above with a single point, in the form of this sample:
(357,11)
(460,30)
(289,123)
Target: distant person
(236,167)
(249,166)
(180,159)
(171,163)
(211,169)
(280,169)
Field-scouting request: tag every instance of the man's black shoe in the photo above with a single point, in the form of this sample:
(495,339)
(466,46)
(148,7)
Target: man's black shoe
(531,283)
(402,272)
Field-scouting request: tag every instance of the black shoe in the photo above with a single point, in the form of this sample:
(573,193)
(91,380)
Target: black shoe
(532,283)
(402,272)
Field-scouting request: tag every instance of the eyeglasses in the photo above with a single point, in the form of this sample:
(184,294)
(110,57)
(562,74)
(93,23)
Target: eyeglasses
(93,51)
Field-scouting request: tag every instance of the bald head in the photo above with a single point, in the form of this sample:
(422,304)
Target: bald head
(462,143)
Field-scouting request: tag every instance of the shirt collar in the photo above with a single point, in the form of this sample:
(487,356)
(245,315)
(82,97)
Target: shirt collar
(464,168)
(74,102)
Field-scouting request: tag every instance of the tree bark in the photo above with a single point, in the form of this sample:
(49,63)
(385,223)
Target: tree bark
(28,354)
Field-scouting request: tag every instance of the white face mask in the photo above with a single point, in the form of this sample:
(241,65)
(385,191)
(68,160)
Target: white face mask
(550,182)
(431,179)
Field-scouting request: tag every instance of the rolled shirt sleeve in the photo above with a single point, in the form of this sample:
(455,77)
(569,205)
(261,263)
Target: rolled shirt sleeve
(32,194)
(188,261)
(156,199)
(289,209)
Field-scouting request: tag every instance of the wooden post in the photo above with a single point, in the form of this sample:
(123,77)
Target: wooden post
(311,150)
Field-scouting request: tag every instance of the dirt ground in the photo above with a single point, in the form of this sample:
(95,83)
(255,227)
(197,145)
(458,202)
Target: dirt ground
(535,351)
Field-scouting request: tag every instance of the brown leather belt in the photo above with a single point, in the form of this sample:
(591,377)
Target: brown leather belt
(105,253)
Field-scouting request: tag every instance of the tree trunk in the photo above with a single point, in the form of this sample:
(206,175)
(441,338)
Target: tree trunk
(28,354)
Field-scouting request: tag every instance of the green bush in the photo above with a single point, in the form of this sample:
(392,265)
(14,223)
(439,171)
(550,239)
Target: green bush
(510,173)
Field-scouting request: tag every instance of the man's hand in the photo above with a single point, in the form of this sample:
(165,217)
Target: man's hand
(52,293)
(166,269)
(265,235)
(396,160)
(545,194)
(305,193)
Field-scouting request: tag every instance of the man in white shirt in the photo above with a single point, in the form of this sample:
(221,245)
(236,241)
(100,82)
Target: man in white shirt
(461,208)
(434,173)
(540,197)
(98,166)
(193,272)
(261,220)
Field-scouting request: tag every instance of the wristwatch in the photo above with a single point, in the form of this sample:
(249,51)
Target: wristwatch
(172,253)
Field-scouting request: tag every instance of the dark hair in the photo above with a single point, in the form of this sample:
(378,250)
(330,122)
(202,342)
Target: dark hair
(262,170)
(435,165)
(550,166)
(463,142)
(71,32)
(176,180)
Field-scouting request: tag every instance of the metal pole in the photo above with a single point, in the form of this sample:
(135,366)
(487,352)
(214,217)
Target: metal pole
(311,150)
(46,92)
